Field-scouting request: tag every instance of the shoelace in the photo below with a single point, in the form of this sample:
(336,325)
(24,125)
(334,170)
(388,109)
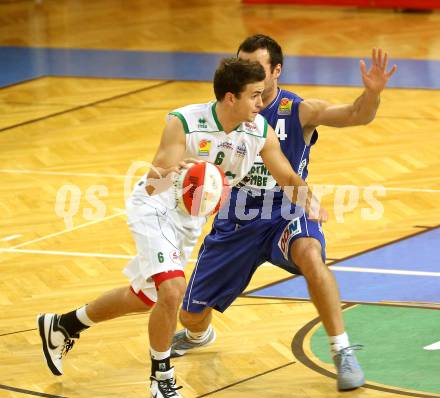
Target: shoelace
(168,387)
(67,346)
(346,354)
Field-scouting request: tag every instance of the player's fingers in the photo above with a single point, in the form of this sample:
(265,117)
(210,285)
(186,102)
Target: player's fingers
(373,57)
(183,165)
(379,58)
(192,160)
(392,71)
(363,67)
(385,61)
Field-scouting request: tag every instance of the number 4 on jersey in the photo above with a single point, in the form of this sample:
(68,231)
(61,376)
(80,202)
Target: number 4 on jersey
(280,129)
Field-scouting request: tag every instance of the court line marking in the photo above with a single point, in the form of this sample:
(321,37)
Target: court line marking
(74,174)
(245,380)
(72,254)
(62,173)
(90,104)
(10,237)
(384,271)
(24,81)
(297,347)
(29,392)
(192,260)
(432,347)
(66,230)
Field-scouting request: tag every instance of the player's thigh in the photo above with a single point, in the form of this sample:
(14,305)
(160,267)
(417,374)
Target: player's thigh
(157,247)
(224,267)
(288,232)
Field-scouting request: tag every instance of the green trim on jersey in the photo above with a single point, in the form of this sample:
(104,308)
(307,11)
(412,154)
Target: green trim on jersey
(254,135)
(265,129)
(243,130)
(182,119)
(214,114)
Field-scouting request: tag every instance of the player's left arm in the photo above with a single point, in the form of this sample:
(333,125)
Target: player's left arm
(168,159)
(315,112)
(285,176)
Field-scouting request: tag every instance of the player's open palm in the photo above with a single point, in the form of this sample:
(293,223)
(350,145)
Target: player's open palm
(376,78)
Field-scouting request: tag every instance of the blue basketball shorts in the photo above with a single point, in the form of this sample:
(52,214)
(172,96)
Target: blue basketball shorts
(231,253)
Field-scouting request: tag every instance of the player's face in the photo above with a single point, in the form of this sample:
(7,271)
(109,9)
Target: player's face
(250,102)
(262,56)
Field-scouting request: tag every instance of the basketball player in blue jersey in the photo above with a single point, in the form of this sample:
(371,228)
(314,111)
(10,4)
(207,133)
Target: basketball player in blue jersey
(296,245)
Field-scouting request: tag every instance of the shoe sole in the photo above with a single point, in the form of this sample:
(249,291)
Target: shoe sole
(49,362)
(349,388)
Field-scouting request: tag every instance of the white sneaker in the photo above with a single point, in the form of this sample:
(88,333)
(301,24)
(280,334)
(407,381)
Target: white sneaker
(163,385)
(350,375)
(56,341)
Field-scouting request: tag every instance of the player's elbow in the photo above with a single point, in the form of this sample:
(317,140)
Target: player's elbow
(361,119)
(368,117)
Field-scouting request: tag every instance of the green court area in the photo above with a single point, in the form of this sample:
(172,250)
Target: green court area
(400,347)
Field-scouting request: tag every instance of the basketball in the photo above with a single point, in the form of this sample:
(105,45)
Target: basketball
(199,189)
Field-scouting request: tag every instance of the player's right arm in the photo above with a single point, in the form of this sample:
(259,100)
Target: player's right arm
(285,176)
(315,112)
(168,157)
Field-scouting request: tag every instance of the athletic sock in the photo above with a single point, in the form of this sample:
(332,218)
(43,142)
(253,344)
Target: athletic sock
(198,336)
(339,342)
(81,314)
(160,361)
(72,324)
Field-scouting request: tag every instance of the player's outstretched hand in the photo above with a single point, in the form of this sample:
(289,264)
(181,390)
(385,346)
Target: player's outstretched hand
(376,78)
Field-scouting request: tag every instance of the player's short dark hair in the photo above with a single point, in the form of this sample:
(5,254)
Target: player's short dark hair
(255,42)
(234,74)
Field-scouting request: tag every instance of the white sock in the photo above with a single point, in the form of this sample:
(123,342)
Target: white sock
(198,336)
(81,314)
(337,343)
(160,355)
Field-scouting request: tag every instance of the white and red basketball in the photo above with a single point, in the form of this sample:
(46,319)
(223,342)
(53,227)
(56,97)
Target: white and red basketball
(200,188)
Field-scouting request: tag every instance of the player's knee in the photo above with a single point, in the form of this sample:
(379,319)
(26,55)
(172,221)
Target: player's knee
(170,292)
(307,256)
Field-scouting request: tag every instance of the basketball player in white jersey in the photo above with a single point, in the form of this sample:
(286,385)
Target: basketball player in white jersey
(230,133)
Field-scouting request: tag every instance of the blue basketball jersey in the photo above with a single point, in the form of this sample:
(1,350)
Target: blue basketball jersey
(250,230)
(283,115)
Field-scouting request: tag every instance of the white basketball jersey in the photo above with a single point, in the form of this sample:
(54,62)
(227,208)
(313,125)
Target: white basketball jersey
(233,152)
